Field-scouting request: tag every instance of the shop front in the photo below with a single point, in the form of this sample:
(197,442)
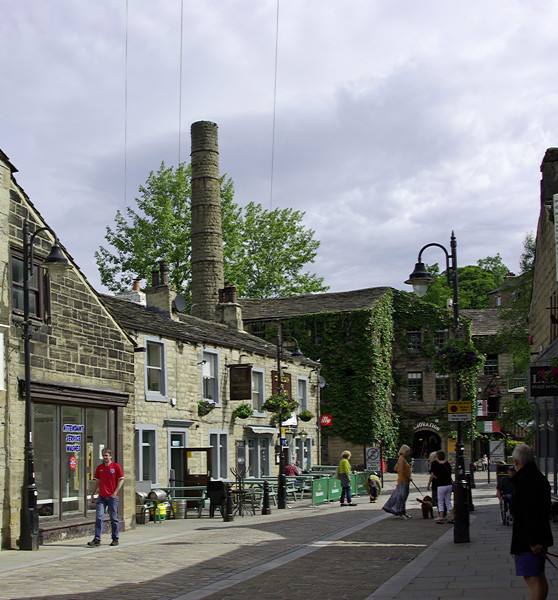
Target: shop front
(71,426)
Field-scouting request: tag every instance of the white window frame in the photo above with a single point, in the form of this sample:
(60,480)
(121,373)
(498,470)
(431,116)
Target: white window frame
(219,470)
(141,428)
(210,359)
(161,395)
(260,443)
(302,382)
(416,376)
(258,396)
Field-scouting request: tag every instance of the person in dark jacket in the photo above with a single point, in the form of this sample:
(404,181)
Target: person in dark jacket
(531,534)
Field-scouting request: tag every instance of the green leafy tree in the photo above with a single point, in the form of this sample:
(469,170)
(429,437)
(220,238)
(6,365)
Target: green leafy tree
(264,251)
(474,283)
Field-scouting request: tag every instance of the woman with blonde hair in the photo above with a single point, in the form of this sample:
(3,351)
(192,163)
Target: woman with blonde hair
(345,478)
(396,503)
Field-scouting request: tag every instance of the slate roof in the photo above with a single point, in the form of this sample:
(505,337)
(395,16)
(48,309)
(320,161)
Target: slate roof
(484,321)
(189,329)
(267,309)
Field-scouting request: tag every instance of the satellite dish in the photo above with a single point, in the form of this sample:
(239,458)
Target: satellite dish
(321,382)
(180,303)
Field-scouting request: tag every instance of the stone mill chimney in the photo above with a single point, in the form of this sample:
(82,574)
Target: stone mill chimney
(207,236)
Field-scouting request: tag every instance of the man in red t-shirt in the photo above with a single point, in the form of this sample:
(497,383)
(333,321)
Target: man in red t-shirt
(108,480)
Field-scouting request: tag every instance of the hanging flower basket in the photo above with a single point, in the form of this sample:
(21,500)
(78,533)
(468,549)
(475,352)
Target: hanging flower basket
(457,356)
(305,416)
(549,375)
(205,407)
(281,405)
(243,411)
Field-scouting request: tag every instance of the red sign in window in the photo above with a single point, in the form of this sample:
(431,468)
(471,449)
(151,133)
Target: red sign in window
(326,420)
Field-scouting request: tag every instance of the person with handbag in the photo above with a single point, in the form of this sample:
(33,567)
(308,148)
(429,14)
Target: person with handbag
(344,472)
(441,474)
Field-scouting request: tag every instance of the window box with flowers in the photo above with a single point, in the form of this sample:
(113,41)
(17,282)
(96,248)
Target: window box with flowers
(305,416)
(205,407)
(243,411)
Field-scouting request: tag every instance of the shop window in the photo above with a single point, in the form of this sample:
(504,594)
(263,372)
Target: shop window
(258,391)
(414,339)
(442,388)
(155,371)
(414,381)
(210,380)
(491,365)
(219,442)
(302,391)
(37,283)
(68,441)
(146,453)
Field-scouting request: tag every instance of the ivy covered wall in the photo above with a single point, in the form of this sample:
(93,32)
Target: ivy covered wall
(354,349)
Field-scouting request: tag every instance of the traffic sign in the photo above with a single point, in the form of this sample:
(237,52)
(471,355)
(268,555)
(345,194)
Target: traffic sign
(459,417)
(462,406)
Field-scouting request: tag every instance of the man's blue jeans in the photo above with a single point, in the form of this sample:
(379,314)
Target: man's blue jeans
(101,505)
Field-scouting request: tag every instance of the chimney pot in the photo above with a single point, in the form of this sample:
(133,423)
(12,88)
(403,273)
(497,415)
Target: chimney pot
(154,277)
(164,269)
(136,286)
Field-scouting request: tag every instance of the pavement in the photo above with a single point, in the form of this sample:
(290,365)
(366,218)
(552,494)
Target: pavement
(324,551)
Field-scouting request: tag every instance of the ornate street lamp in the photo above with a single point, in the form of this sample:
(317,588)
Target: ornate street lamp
(420,279)
(55,262)
(296,356)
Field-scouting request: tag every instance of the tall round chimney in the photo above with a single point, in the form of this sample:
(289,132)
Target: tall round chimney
(207,235)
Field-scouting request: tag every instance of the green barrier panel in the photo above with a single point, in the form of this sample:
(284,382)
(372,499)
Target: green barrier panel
(334,489)
(319,490)
(359,486)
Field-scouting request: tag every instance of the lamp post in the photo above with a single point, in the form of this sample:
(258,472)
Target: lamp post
(420,279)
(29,519)
(296,356)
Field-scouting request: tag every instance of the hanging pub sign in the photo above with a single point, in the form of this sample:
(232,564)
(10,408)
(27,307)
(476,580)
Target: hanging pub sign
(241,382)
(543,381)
(285,383)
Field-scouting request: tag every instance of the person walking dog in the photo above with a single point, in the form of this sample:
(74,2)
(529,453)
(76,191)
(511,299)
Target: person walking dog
(108,480)
(396,503)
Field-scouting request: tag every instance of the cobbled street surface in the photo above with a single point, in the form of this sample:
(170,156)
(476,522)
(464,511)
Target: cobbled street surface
(302,552)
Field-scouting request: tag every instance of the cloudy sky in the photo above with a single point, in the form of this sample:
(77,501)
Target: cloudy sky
(396,121)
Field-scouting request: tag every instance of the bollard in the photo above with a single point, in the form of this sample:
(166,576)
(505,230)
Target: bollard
(266,510)
(472,475)
(469,492)
(461,512)
(228,504)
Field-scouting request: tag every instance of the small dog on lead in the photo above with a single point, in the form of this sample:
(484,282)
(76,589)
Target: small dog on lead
(426,506)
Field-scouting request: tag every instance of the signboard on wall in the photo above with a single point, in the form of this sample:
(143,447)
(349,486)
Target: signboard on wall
(241,382)
(285,383)
(537,385)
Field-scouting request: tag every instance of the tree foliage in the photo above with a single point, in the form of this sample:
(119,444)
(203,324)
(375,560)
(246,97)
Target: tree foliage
(265,252)
(474,283)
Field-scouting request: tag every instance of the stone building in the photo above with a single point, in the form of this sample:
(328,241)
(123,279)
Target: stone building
(184,360)
(543,321)
(81,380)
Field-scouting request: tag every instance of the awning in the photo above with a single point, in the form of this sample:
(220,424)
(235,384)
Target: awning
(261,429)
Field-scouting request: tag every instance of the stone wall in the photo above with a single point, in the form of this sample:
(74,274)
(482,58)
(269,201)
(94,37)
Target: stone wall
(79,345)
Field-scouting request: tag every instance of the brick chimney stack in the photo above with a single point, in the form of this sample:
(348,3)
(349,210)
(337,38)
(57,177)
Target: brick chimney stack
(207,237)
